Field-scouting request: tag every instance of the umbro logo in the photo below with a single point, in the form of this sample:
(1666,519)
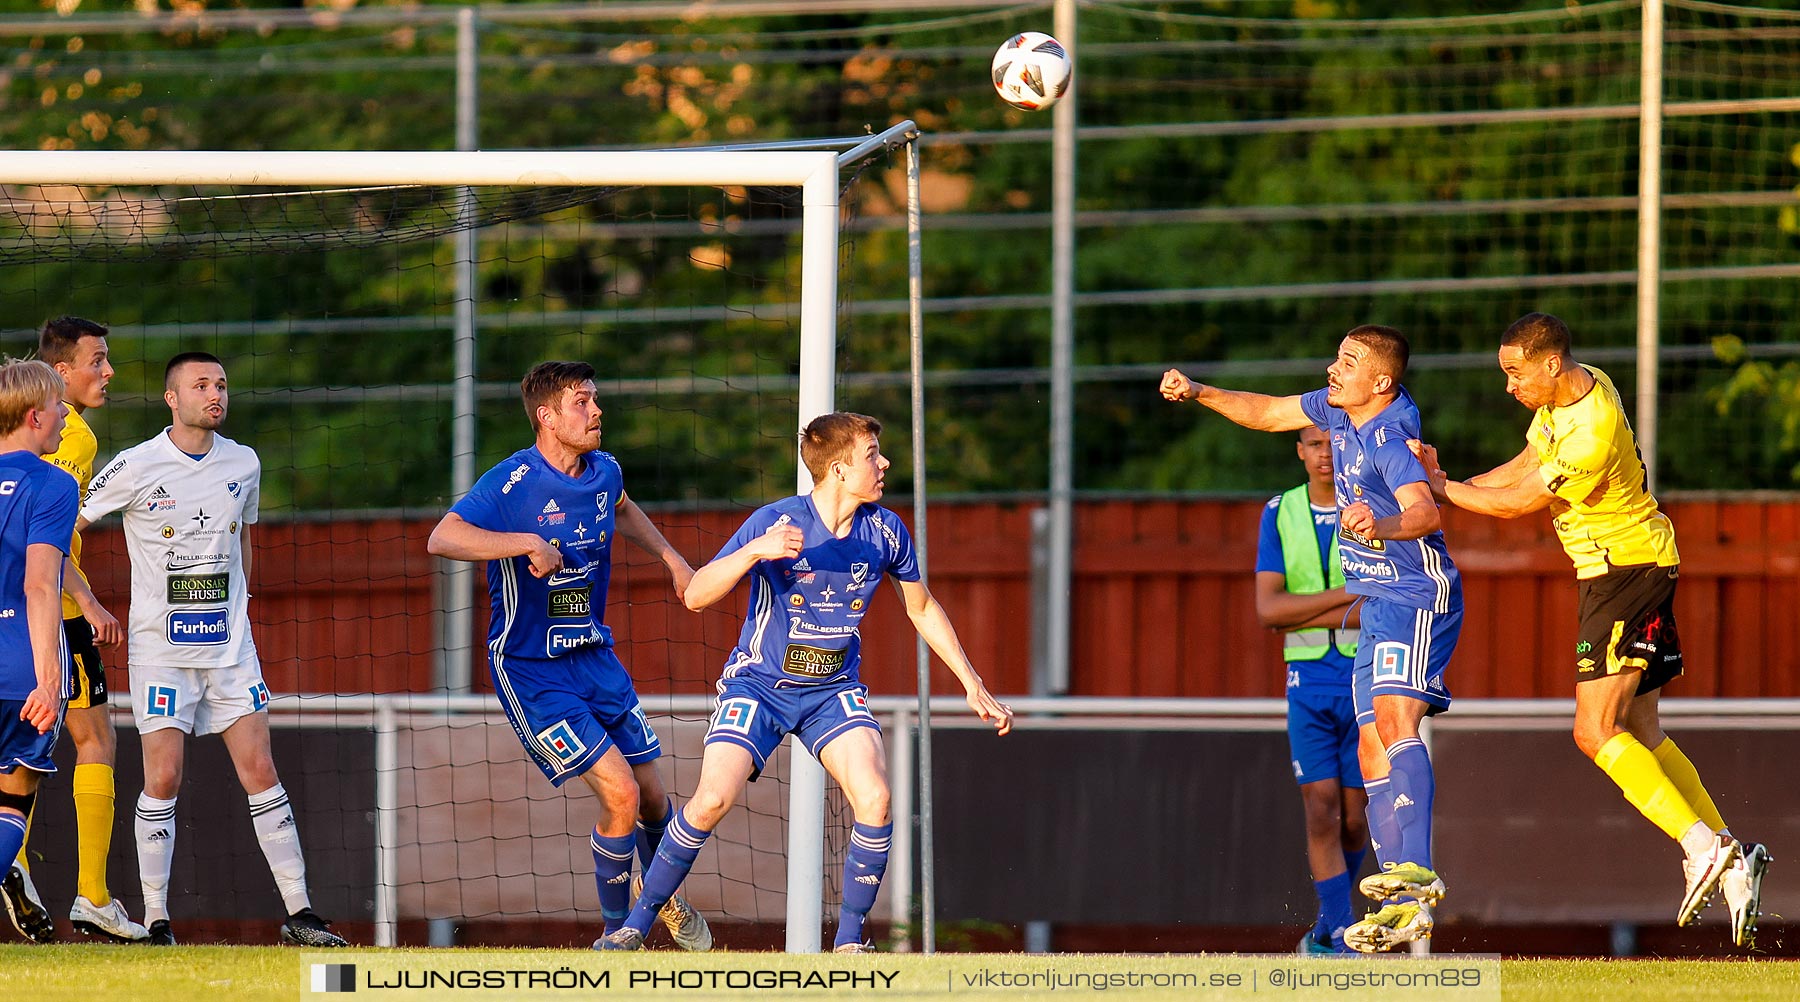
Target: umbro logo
(1402,801)
(548,508)
(802,567)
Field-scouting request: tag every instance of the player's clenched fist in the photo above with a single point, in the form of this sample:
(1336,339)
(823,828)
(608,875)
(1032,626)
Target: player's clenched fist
(1360,519)
(1178,387)
(781,542)
(545,558)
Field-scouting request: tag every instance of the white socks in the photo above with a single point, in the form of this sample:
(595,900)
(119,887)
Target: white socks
(155,830)
(280,840)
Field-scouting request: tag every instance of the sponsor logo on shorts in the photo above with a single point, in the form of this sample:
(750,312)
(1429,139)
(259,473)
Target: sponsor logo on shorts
(200,627)
(187,589)
(259,696)
(735,714)
(560,739)
(1391,661)
(571,603)
(855,703)
(812,662)
(160,700)
(1586,664)
(562,639)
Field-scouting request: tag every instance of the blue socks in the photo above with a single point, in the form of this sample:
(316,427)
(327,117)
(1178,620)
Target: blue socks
(1384,832)
(1334,908)
(12,836)
(612,875)
(650,833)
(674,858)
(864,866)
(1413,786)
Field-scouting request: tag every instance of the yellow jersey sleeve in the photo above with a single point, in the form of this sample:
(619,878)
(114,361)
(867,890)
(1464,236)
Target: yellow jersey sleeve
(1577,466)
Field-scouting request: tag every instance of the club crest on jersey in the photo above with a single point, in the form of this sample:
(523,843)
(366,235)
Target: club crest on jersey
(1391,662)
(600,501)
(735,714)
(858,572)
(160,700)
(232,488)
(560,740)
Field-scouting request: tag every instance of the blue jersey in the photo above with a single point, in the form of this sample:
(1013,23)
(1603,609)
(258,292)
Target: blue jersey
(1334,668)
(1368,463)
(549,617)
(802,626)
(38,503)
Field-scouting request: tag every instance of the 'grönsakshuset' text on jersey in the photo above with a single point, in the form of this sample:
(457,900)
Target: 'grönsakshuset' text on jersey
(553,616)
(804,616)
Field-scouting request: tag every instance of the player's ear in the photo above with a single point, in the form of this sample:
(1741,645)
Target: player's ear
(1383,382)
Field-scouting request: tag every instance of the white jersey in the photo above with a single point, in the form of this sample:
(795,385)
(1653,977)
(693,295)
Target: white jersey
(184,528)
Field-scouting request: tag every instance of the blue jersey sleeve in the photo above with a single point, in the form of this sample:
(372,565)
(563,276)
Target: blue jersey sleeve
(1269,555)
(53,510)
(1316,408)
(754,526)
(1396,463)
(481,506)
(903,562)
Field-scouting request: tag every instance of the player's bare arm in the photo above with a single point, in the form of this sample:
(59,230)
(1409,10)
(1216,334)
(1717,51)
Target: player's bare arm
(456,539)
(933,624)
(43,618)
(636,526)
(107,632)
(716,579)
(1529,495)
(1279,609)
(1256,411)
(1510,473)
(1418,516)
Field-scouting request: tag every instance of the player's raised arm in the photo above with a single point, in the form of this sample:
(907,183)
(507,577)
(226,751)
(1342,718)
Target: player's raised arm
(457,539)
(718,577)
(1256,411)
(933,624)
(636,526)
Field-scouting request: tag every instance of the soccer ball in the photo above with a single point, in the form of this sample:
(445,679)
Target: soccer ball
(1031,71)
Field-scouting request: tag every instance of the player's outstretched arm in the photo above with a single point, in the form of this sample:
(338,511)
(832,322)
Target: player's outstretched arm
(637,527)
(1528,495)
(457,539)
(933,624)
(716,579)
(43,620)
(1256,411)
(107,632)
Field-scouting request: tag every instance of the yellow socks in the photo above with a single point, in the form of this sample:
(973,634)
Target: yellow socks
(93,829)
(1686,778)
(1646,786)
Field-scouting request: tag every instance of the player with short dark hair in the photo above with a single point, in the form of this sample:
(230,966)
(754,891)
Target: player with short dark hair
(814,562)
(1394,558)
(77,350)
(1300,591)
(1581,462)
(38,504)
(544,522)
(189,496)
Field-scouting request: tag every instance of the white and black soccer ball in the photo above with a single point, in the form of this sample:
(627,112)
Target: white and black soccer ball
(1032,71)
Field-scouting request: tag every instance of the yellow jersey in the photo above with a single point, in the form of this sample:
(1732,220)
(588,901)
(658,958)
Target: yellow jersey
(1589,459)
(76,454)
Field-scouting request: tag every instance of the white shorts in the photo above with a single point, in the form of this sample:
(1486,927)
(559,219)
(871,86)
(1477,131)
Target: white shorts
(197,700)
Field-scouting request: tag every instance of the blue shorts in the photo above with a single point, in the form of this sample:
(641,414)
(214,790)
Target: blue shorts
(568,711)
(1322,736)
(755,716)
(1403,652)
(21,744)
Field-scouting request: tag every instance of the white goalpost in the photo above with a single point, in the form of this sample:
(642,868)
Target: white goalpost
(815,169)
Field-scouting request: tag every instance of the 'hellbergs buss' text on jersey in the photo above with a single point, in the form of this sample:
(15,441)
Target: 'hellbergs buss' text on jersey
(1368,463)
(804,616)
(553,616)
(184,522)
(37,505)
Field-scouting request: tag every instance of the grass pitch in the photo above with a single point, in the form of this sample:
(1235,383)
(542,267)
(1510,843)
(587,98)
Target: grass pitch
(84,973)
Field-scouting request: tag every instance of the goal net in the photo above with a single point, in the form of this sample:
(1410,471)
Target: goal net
(374,313)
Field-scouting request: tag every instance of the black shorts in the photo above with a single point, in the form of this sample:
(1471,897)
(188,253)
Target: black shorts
(1628,624)
(89,683)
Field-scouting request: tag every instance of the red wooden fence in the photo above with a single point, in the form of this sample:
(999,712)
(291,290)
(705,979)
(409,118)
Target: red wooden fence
(1162,603)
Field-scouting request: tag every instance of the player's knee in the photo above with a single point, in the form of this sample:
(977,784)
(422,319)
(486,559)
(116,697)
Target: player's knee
(706,809)
(870,806)
(258,774)
(1592,735)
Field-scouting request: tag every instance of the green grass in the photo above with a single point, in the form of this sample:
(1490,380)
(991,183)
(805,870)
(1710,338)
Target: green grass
(88,973)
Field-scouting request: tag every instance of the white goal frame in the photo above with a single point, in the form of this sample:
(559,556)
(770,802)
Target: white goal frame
(813,166)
